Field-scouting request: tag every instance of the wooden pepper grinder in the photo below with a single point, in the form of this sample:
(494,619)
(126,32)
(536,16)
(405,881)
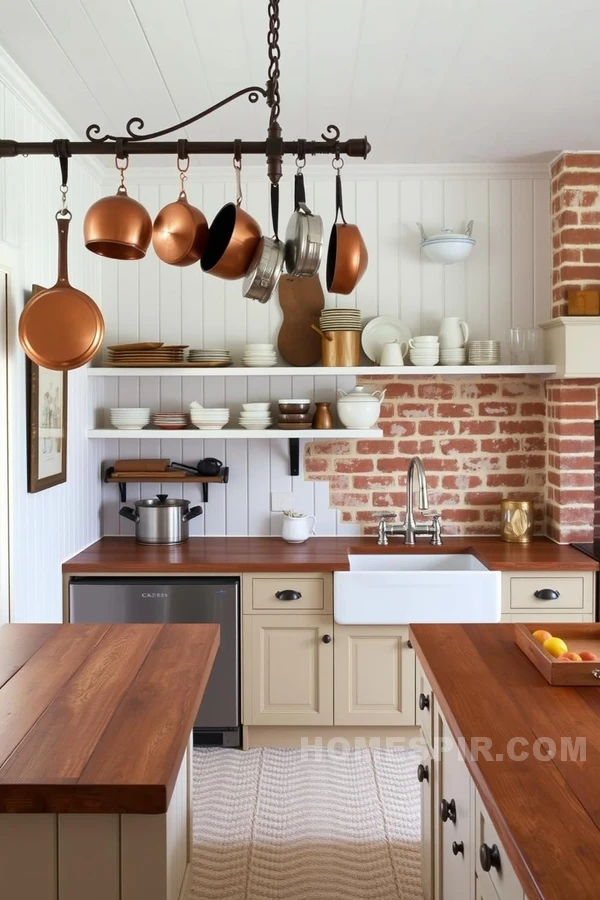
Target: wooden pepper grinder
(322,418)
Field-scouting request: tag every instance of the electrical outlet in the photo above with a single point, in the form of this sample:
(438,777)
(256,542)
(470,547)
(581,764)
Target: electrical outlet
(279,502)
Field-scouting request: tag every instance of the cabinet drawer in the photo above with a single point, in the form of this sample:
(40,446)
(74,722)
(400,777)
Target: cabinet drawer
(523,593)
(424,699)
(501,874)
(287,593)
(547,618)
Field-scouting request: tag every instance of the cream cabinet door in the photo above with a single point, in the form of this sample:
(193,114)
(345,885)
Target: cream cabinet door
(288,670)
(426,775)
(454,813)
(374,675)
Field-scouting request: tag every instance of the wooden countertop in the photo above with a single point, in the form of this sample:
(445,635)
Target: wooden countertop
(547,812)
(222,555)
(96,718)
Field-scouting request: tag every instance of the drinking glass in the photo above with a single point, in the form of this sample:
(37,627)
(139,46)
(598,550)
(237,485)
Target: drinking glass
(531,343)
(516,341)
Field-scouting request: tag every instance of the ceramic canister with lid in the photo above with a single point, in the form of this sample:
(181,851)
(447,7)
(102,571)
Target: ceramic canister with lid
(359,408)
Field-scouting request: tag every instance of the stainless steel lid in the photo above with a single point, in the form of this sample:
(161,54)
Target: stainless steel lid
(265,270)
(303,243)
(161,502)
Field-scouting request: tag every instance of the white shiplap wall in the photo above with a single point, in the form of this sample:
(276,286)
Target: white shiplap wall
(48,527)
(505,282)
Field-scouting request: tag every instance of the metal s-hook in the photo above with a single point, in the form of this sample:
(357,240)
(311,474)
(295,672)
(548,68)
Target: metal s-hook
(61,149)
(122,169)
(237,165)
(183,164)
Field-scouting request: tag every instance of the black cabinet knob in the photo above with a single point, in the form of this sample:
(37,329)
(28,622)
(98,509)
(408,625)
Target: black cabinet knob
(423,701)
(409,645)
(448,811)
(547,594)
(458,847)
(422,772)
(326,638)
(288,595)
(489,857)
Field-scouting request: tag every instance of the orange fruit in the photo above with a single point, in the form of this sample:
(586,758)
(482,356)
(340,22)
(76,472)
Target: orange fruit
(588,656)
(541,635)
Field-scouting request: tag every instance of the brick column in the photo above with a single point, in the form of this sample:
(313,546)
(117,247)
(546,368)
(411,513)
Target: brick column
(575,225)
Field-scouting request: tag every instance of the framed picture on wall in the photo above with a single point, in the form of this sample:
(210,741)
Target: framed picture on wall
(47,405)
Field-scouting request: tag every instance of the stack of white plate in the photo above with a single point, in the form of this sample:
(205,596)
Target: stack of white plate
(210,358)
(129,418)
(256,416)
(208,419)
(484,353)
(457,356)
(171,421)
(340,319)
(260,355)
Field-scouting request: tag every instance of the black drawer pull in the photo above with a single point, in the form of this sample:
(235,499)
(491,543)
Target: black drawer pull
(547,594)
(448,811)
(288,595)
(489,857)
(458,847)
(326,638)
(422,773)
(423,701)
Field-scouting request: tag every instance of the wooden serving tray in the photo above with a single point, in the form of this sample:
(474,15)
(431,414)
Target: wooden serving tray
(578,637)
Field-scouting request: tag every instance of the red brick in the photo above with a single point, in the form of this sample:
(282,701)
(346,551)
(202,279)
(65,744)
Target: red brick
(525,461)
(476,391)
(570,462)
(580,236)
(578,161)
(389,499)
(316,465)
(534,443)
(483,498)
(568,217)
(500,445)
(408,448)
(353,465)
(505,479)
(571,445)
(491,515)
(591,256)
(391,464)
(461,482)
(568,497)
(485,426)
(443,499)
(571,479)
(461,515)
(575,394)
(522,426)
(455,410)
(576,429)
(367,482)
(394,391)
(442,465)
(436,427)
(345,498)
(579,198)
(481,463)
(585,274)
(578,411)
(588,218)
(460,445)
(426,448)
(533,409)
(339,483)
(375,448)
(330,448)
(497,409)
(415,410)
(387,410)
(436,391)
(406,428)
(576,178)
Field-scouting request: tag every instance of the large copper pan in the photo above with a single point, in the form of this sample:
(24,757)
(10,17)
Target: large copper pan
(180,230)
(61,328)
(347,256)
(232,239)
(118,226)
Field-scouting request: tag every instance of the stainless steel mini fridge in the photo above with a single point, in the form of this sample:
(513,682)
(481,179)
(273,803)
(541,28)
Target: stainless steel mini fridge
(197,600)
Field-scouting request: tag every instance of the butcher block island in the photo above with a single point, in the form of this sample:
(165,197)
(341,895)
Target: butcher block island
(95,758)
(510,770)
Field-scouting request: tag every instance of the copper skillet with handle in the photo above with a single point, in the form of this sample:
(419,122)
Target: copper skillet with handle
(347,256)
(61,328)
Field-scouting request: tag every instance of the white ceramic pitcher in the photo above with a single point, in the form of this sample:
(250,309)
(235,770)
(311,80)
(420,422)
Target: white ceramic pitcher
(296,529)
(454,334)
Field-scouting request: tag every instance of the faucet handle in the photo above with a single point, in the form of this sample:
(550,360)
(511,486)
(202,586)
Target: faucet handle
(436,538)
(381,531)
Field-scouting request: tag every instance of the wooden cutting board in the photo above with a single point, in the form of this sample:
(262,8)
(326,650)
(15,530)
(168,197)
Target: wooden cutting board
(301,301)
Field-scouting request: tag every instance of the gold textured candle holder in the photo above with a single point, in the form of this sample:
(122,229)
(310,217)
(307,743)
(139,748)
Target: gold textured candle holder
(516,525)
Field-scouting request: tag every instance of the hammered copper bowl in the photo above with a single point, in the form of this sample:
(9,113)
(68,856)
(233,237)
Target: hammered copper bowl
(118,227)
(232,239)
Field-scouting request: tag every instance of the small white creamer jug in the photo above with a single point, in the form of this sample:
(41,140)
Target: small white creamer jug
(296,528)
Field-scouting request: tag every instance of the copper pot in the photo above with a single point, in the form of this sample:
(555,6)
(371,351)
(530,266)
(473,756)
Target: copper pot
(347,256)
(180,230)
(232,239)
(118,226)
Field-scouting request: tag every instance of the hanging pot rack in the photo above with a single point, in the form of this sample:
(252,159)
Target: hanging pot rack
(274,148)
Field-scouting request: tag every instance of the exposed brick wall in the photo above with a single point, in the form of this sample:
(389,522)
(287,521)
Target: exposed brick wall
(481,439)
(572,408)
(575,225)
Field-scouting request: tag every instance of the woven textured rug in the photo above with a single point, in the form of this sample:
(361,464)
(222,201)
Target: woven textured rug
(306,825)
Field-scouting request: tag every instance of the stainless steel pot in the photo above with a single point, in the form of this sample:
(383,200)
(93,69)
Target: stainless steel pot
(266,267)
(303,237)
(161,521)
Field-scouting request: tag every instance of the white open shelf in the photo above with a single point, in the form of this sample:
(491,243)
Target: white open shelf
(247,372)
(269,434)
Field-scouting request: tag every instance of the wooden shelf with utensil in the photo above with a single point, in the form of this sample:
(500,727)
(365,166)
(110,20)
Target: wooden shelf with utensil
(122,479)
(273,371)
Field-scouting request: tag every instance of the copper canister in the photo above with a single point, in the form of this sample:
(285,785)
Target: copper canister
(516,524)
(341,348)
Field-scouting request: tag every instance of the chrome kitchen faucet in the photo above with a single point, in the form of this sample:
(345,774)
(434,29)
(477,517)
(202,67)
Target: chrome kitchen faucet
(409,528)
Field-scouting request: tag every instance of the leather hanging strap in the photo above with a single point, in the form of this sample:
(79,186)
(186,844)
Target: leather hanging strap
(275,209)
(299,192)
(62,150)
(339,205)
(182,151)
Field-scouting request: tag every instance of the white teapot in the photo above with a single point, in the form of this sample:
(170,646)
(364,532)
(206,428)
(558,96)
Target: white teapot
(295,528)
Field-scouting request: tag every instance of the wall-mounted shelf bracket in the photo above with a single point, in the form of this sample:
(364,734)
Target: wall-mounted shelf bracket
(294,456)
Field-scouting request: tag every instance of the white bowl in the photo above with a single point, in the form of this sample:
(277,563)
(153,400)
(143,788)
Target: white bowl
(248,407)
(133,410)
(255,426)
(206,426)
(294,402)
(448,251)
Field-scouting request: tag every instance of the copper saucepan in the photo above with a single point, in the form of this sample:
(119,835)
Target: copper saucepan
(118,226)
(347,256)
(61,328)
(180,230)
(232,238)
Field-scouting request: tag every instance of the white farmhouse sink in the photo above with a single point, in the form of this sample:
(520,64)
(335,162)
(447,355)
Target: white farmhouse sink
(406,588)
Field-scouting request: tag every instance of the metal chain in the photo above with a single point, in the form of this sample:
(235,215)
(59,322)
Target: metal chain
(274,57)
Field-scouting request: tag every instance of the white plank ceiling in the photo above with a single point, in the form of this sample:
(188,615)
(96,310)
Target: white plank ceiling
(427,80)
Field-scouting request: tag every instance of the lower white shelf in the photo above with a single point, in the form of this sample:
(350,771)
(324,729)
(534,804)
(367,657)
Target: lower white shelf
(269,434)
